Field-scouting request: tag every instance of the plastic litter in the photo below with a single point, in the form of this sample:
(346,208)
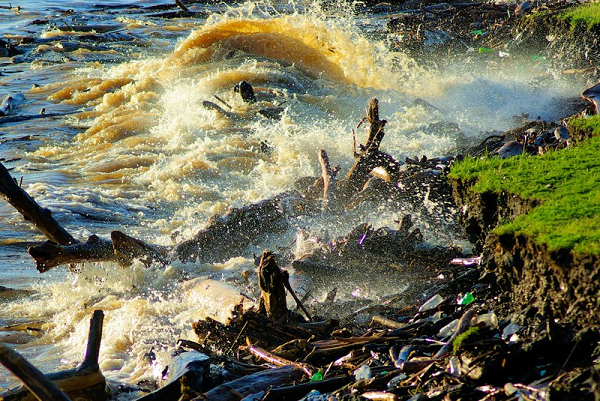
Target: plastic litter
(466,299)
(431,303)
(454,366)
(316,377)
(487,319)
(466,261)
(315,395)
(448,329)
(509,330)
(486,50)
(363,373)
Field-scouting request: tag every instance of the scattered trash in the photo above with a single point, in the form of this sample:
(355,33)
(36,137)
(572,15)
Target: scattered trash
(486,319)
(454,366)
(466,299)
(363,373)
(466,261)
(317,376)
(509,330)
(486,50)
(431,303)
(448,329)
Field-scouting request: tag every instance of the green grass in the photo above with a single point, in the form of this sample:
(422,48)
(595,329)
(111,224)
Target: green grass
(588,14)
(566,182)
(460,339)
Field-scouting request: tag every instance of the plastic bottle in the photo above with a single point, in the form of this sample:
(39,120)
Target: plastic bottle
(454,366)
(448,329)
(509,330)
(431,303)
(488,319)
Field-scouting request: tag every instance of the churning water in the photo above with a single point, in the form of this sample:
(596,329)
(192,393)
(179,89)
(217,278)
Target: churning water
(137,151)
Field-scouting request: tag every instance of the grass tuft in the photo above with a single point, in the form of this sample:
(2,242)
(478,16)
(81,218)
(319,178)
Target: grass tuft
(587,14)
(460,339)
(565,182)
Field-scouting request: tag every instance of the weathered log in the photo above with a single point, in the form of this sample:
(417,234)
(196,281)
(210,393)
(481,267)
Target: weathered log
(127,248)
(253,384)
(272,289)
(27,117)
(39,385)
(120,248)
(370,157)
(85,382)
(31,211)
(227,236)
(297,391)
(49,254)
(185,376)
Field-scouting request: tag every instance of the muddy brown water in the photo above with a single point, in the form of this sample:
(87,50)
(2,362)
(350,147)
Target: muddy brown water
(127,144)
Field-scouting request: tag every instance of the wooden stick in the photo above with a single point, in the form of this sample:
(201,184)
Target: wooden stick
(279,361)
(328,179)
(182,6)
(94,339)
(31,211)
(463,324)
(386,322)
(288,286)
(297,391)
(39,385)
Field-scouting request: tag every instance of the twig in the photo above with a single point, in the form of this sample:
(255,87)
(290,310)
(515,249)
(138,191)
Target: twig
(278,361)
(182,6)
(238,337)
(286,283)
(328,178)
(223,101)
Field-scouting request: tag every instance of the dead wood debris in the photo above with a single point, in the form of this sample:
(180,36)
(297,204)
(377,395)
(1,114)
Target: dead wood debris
(228,236)
(85,382)
(447,349)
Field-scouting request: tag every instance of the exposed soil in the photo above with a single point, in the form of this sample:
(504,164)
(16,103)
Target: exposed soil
(543,341)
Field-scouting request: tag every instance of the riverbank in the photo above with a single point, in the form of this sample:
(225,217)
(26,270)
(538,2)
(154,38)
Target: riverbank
(388,331)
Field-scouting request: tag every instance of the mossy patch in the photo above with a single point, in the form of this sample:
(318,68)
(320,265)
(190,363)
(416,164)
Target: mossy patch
(460,339)
(587,14)
(565,182)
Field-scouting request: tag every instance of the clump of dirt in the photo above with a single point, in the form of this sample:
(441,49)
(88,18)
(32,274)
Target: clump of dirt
(480,213)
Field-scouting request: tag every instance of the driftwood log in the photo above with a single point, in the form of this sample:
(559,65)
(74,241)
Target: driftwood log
(225,236)
(186,373)
(370,157)
(39,385)
(40,217)
(254,383)
(85,382)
